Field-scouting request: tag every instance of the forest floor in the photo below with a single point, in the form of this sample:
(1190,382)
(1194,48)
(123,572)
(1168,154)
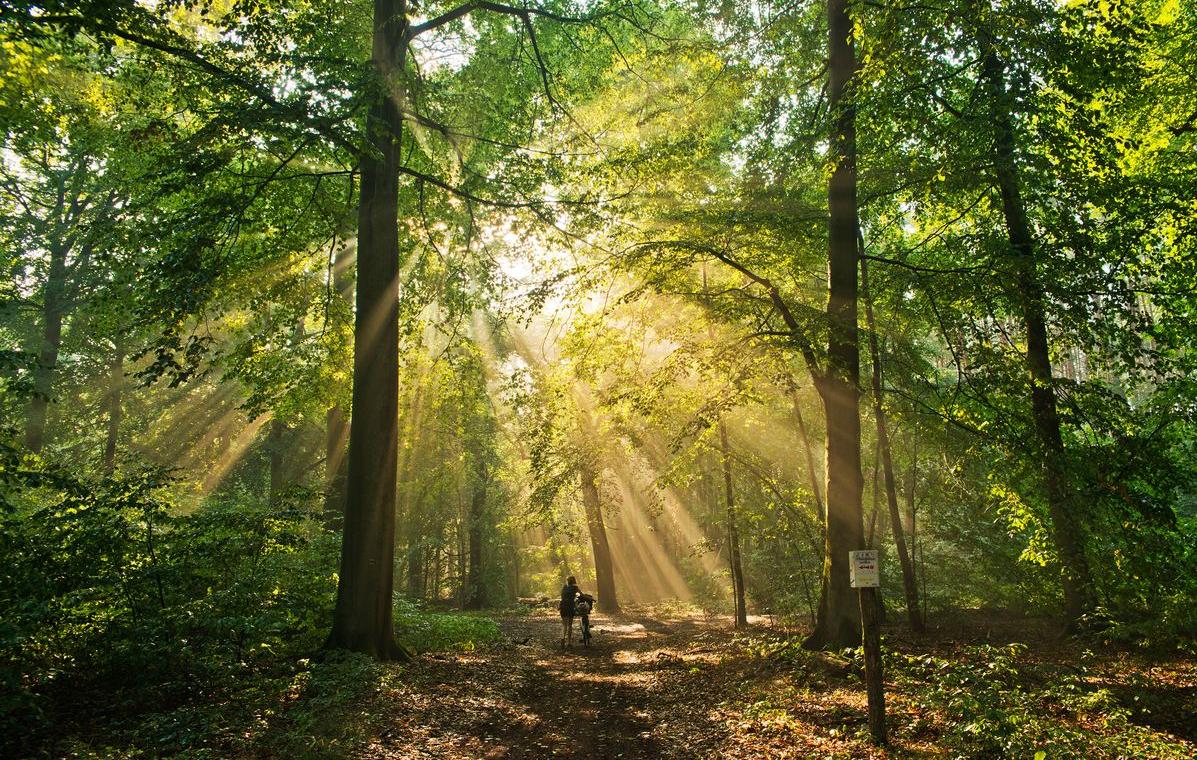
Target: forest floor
(685,685)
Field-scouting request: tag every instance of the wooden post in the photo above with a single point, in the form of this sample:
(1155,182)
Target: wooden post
(874,682)
(865,578)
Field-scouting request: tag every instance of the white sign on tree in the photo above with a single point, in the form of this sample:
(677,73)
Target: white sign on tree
(864,568)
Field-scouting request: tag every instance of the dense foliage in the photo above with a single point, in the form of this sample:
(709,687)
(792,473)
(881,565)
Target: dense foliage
(598,330)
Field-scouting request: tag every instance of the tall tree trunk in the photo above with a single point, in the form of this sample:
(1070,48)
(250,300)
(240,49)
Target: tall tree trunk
(116,383)
(53,309)
(875,494)
(1067,528)
(412,512)
(336,460)
(811,473)
(839,614)
(415,569)
(475,590)
(362,619)
(733,532)
(911,516)
(912,476)
(276,445)
(282,437)
(604,567)
(909,582)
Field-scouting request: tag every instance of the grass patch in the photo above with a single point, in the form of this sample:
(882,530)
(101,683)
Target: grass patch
(427,631)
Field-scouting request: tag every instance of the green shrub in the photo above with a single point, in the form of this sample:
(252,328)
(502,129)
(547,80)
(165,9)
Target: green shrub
(994,704)
(107,590)
(428,631)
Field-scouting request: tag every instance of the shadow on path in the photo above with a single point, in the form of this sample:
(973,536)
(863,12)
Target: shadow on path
(600,701)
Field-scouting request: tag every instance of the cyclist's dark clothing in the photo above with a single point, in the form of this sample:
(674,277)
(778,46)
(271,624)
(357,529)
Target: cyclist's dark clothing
(569,593)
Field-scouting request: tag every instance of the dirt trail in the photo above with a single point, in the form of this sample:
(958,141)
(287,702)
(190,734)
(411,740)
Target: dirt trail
(655,685)
(634,693)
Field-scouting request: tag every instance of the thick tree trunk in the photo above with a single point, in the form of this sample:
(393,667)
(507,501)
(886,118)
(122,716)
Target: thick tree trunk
(1067,528)
(604,567)
(362,619)
(116,383)
(839,614)
(475,597)
(53,309)
(909,582)
(733,533)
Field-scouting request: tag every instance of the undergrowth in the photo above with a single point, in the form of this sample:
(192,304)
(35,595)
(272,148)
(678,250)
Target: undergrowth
(129,629)
(993,702)
(976,702)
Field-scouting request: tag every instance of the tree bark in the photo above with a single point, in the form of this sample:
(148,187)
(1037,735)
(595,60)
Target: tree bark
(733,533)
(1067,528)
(839,614)
(604,567)
(362,619)
(53,309)
(909,582)
(116,382)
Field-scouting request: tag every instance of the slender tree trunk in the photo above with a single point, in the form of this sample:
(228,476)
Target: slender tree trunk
(411,513)
(276,444)
(116,382)
(475,591)
(415,569)
(811,472)
(53,310)
(912,517)
(813,475)
(911,485)
(336,450)
(875,494)
(1067,525)
(604,567)
(362,619)
(336,458)
(733,532)
(909,581)
(839,615)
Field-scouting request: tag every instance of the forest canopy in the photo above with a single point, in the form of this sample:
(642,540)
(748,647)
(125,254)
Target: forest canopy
(323,321)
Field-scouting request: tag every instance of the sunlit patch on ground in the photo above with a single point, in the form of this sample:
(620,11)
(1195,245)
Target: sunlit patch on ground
(672,687)
(619,631)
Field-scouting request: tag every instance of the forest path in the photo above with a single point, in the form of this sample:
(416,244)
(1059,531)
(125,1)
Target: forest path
(639,691)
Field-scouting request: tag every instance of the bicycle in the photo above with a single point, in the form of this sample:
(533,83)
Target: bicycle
(582,608)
